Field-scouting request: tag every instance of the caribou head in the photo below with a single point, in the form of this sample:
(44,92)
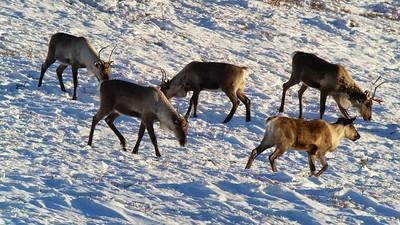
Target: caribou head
(364,103)
(104,67)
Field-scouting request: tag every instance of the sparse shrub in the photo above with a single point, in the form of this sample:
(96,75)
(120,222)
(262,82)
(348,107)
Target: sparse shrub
(363,162)
(317,4)
(370,14)
(336,6)
(8,53)
(352,23)
(30,54)
(395,14)
(339,203)
(285,2)
(140,18)
(345,10)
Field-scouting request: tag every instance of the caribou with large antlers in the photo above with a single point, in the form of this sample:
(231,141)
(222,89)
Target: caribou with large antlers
(77,52)
(330,79)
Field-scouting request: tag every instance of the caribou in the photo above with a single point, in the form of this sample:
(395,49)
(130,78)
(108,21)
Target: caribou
(198,76)
(148,104)
(331,80)
(316,137)
(77,52)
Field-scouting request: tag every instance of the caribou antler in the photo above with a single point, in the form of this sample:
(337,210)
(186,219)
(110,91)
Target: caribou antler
(377,80)
(164,79)
(373,94)
(376,87)
(102,50)
(109,58)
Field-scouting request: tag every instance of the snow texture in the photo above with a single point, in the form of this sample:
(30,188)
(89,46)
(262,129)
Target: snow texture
(48,174)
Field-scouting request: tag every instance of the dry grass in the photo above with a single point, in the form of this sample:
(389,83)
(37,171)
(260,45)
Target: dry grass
(394,15)
(285,2)
(317,5)
(335,6)
(8,53)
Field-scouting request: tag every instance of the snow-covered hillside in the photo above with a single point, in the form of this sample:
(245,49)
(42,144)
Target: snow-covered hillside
(48,174)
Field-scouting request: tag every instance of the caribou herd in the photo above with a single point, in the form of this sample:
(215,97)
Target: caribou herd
(151,104)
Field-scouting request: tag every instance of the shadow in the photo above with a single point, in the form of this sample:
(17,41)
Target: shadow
(230,3)
(191,189)
(390,131)
(316,22)
(333,27)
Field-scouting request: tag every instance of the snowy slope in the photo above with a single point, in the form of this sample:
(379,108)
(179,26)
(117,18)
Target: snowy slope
(48,175)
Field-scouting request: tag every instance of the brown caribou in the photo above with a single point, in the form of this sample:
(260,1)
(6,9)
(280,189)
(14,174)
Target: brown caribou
(317,137)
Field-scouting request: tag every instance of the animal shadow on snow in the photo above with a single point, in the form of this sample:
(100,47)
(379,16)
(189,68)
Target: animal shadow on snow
(390,131)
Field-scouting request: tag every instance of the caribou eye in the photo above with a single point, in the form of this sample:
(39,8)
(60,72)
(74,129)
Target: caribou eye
(176,121)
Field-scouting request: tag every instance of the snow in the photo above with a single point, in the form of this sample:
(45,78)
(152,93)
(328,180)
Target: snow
(48,175)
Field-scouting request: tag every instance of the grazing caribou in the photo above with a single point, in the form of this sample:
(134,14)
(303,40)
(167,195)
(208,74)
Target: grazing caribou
(148,104)
(329,79)
(198,76)
(77,52)
(317,137)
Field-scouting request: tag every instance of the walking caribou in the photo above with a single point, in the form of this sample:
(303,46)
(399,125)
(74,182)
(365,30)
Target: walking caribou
(316,137)
(77,52)
(198,76)
(329,79)
(148,104)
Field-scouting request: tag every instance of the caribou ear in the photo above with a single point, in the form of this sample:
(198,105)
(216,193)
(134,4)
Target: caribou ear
(165,86)
(340,120)
(110,62)
(351,120)
(367,94)
(345,121)
(164,80)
